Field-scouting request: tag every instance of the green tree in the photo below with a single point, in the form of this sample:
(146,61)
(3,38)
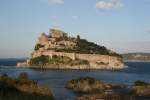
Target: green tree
(78,37)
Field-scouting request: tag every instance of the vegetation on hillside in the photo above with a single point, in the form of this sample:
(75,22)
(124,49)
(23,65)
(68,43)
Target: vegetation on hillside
(56,60)
(85,47)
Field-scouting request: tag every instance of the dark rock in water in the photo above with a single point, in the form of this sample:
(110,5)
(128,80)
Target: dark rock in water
(93,89)
(91,85)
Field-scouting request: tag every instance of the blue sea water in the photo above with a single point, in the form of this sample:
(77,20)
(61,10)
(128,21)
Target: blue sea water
(56,79)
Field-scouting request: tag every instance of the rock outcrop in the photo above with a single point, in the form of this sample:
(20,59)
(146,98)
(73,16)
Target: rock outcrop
(91,85)
(52,50)
(93,89)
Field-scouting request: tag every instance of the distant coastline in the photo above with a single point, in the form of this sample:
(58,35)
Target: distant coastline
(11,61)
(136,57)
(136,61)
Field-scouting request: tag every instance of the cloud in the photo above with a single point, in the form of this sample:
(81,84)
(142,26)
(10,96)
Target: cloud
(53,17)
(56,1)
(102,5)
(75,17)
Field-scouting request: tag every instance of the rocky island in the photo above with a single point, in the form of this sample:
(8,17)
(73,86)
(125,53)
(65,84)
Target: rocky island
(58,50)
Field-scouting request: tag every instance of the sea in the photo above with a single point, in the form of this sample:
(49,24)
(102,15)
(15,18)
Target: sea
(57,79)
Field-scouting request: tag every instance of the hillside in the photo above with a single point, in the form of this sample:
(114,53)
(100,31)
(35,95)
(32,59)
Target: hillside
(59,50)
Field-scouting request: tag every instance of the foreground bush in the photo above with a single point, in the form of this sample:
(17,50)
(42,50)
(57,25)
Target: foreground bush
(22,88)
(140,83)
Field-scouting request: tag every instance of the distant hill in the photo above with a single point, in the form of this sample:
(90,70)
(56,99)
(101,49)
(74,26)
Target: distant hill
(136,57)
(10,61)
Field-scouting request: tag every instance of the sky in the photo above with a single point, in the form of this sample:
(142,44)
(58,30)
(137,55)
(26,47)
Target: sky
(120,25)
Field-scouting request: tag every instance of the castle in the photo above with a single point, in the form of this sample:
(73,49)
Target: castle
(58,43)
(55,39)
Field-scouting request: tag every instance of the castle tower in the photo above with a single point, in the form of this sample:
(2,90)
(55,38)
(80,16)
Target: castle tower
(55,33)
(43,39)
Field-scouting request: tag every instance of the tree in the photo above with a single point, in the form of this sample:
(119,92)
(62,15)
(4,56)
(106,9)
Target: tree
(78,37)
(38,46)
(43,34)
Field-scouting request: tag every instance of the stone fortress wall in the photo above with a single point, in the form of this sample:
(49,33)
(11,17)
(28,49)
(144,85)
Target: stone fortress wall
(92,58)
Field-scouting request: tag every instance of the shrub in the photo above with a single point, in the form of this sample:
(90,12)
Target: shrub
(14,89)
(38,46)
(46,60)
(140,83)
(89,80)
(42,60)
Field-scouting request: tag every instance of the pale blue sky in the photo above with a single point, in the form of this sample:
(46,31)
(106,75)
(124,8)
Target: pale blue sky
(121,25)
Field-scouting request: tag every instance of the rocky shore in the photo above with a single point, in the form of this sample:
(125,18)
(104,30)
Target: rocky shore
(86,88)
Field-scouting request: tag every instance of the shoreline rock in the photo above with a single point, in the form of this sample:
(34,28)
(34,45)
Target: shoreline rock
(92,89)
(91,85)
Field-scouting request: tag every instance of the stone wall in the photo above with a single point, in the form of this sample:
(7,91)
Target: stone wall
(109,61)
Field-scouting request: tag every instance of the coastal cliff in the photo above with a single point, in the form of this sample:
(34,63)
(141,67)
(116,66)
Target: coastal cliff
(57,50)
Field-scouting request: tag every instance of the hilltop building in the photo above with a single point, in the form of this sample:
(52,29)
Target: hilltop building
(57,50)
